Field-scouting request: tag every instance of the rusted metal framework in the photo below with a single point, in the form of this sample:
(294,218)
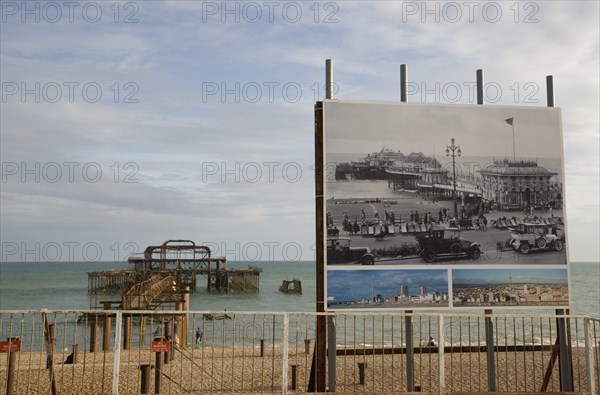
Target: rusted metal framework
(161,274)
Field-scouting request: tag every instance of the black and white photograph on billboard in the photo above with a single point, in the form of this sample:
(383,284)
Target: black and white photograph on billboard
(430,184)
(387,289)
(510,287)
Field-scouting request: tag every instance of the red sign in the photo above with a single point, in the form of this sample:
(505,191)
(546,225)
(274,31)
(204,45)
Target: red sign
(159,346)
(10,346)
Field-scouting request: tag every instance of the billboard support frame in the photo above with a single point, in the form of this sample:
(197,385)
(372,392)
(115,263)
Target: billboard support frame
(326,327)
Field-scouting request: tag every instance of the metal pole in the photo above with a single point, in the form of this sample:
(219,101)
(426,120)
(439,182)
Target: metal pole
(403,82)
(480,99)
(489,325)
(564,361)
(117,354)
(589,351)
(441,364)
(328,79)
(410,375)
(550,90)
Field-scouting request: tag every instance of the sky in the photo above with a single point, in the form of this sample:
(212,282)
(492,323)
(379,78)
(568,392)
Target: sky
(124,124)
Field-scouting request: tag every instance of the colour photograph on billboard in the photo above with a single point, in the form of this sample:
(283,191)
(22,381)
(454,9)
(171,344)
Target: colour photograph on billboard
(410,187)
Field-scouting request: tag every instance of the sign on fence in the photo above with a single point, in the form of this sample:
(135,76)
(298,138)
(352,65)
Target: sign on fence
(10,346)
(159,346)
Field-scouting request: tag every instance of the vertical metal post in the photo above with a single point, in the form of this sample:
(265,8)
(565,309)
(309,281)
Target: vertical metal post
(331,344)
(564,354)
(403,82)
(317,373)
(441,362)
(489,325)
(284,354)
(410,352)
(410,379)
(117,356)
(480,99)
(262,348)
(589,352)
(564,361)
(550,90)
(328,79)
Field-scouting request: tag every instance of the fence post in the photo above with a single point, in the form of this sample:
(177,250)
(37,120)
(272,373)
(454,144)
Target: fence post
(284,352)
(117,355)
(589,348)
(12,364)
(145,381)
(410,379)
(307,346)
(158,370)
(262,347)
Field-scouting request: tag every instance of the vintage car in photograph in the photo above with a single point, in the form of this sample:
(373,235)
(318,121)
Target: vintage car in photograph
(446,243)
(535,237)
(340,250)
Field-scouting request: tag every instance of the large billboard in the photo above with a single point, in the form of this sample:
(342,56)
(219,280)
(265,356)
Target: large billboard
(430,206)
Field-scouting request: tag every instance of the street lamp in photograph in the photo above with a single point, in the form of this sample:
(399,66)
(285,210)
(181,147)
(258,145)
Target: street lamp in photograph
(455,150)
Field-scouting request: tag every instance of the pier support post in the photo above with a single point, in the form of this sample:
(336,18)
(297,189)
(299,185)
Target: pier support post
(307,346)
(94,333)
(106,329)
(127,333)
(262,348)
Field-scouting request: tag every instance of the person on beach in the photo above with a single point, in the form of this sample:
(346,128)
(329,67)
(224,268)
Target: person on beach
(198,336)
(431,342)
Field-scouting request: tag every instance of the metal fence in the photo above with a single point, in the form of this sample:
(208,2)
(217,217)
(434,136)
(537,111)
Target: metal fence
(132,352)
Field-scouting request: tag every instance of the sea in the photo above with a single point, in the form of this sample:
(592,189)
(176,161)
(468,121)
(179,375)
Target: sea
(63,286)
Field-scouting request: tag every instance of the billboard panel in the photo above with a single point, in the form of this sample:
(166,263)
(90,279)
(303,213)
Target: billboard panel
(417,187)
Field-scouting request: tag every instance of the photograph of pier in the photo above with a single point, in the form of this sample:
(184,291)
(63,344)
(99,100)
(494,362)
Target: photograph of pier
(386,289)
(438,184)
(510,287)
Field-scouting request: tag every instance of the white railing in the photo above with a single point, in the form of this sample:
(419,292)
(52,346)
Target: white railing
(272,352)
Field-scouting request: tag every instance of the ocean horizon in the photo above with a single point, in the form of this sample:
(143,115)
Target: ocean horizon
(63,286)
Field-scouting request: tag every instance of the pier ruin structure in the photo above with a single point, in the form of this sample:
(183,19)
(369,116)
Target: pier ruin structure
(163,274)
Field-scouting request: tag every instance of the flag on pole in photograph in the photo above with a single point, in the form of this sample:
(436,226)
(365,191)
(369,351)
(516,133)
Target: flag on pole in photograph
(509,121)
